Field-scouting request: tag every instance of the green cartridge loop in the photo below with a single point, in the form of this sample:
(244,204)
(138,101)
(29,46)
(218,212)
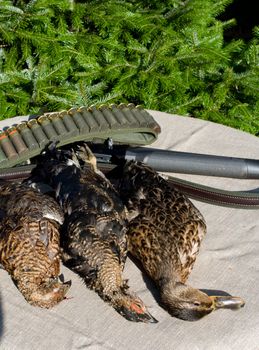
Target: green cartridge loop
(16,139)
(125,124)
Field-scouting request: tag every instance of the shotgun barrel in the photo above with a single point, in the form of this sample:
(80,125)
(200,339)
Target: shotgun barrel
(181,162)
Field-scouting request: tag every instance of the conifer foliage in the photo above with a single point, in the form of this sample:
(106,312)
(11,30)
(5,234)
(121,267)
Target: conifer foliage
(166,55)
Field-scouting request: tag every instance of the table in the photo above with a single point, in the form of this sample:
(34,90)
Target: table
(228,261)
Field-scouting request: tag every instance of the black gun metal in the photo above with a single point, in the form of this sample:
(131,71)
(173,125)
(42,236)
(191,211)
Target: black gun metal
(181,162)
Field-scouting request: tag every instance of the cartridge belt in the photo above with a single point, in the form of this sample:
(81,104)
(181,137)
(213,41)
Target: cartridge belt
(128,124)
(125,124)
(210,195)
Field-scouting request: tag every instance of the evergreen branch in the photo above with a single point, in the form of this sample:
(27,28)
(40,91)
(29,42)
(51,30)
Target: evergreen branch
(167,56)
(9,9)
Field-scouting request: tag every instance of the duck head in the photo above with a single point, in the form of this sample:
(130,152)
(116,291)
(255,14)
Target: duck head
(49,293)
(190,304)
(133,309)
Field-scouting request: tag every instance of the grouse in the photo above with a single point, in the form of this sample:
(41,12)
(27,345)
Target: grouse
(93,239)
(30,243)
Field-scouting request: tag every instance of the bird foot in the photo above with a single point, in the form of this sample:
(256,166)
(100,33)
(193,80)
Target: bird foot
(87,156)
(74,159)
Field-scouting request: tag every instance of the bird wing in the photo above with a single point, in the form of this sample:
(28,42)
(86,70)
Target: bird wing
(165,225)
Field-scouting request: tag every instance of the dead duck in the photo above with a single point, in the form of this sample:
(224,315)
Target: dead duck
(29,243)
(94,238)
(165,232)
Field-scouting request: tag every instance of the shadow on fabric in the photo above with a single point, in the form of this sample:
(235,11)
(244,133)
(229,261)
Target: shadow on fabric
(147,280)
(1,319)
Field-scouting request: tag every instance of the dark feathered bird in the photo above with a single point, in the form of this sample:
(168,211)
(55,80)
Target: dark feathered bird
(165,233)
(29,243)
(94,233)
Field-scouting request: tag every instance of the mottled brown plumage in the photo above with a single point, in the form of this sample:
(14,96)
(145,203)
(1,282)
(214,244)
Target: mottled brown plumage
(165,233)
(29,243)
(94,233)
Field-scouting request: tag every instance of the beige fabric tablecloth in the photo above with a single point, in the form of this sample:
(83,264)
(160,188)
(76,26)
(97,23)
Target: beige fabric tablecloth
(228,261)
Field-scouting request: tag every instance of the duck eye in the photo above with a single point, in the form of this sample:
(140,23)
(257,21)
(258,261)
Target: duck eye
(197,303)
(137,308)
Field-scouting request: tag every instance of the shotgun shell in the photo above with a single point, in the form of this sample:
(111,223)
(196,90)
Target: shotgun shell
(141,121)
(123,112)
(79,120)
(112,118)
(146,116)
(2,156)
(130,105)
(7,146)
(57,122)
(27,136)
(16,139)
(98,116)
(70,125)
(48,127)
(88,118)
(38,132)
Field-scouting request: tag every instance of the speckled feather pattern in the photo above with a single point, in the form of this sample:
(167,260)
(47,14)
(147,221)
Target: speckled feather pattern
(166,229)
(94,236)
(30,241)
(93,239)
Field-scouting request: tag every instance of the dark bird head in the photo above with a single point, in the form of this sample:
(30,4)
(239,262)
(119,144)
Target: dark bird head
(133,176)
(191,304)
(49,293)
(50,163)
(133,309)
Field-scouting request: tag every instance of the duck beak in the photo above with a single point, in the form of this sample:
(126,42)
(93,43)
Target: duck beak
(67,285)
(62,286)
(148,318)
(227,302)
(144,317)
